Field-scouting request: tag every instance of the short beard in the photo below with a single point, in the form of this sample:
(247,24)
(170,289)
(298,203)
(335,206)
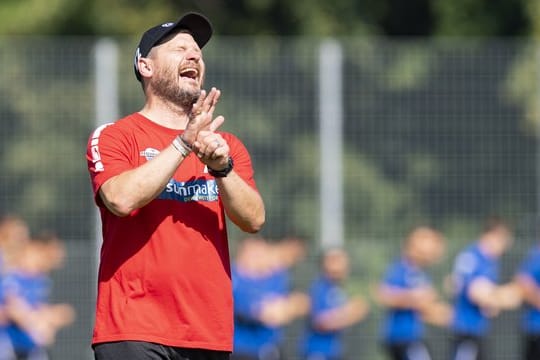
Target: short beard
(165,86)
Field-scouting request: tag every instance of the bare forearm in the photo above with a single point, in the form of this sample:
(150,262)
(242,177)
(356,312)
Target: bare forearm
(484,296)
(340,318)
(137,187)
(532,297)
(495,297)
(243,204)
(437,313)
(399,298)
(400,301)
(529,290)
(20,313)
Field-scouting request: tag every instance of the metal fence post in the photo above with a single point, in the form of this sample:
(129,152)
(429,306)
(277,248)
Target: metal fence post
(106,110)
(331,143)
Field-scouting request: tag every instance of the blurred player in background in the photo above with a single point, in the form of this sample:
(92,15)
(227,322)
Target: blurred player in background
(164,180)
(528,280)
(14,234)
(33,321)
(332,311)
(287,252)
(409,297)
(477,295)
(263,300)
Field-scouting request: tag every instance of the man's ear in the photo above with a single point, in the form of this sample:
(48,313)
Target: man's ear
(146,67)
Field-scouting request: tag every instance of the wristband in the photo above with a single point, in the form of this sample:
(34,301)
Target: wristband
(223,172)
(181,145)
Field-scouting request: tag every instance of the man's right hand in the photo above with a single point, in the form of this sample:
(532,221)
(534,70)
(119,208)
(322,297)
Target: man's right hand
(201,116)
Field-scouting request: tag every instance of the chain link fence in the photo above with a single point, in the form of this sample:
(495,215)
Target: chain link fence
(440,132)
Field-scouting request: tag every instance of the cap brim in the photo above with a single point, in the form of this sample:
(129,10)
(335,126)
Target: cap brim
(198,25)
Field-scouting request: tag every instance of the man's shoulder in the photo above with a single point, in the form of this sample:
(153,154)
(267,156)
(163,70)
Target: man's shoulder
(320,282)
(532,259)
(471,250)
(229,137)
(466,261)
(398,265)
(122,125)
(534,252)
(396,271)
(126,123)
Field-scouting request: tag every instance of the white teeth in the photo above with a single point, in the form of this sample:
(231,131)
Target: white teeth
(190,72)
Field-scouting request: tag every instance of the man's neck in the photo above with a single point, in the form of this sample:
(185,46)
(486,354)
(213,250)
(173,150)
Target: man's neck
(166,114)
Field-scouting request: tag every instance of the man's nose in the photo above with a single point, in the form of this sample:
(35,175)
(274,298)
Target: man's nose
(193,54)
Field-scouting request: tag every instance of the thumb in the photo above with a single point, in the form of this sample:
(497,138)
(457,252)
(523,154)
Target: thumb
(214,125)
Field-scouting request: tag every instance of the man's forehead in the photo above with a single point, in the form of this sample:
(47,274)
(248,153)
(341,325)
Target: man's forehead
(178,38)
(182,36)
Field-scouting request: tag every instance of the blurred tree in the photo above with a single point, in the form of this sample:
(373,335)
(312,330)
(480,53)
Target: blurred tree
(44,126)
(397,79)
(481,17)
(277,17)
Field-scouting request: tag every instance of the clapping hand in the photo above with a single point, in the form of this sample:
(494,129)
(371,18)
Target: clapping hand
(201,134)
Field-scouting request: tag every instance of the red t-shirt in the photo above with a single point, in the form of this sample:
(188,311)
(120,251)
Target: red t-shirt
(164,273)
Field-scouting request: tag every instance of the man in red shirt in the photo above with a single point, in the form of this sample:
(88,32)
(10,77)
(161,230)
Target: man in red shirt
(164,178)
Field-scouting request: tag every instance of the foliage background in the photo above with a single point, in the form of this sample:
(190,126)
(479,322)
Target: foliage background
(441,117)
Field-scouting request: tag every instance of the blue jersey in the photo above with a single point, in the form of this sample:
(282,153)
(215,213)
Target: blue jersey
(403,325)
(325,295)
(471,264)
(34,289)
(251,336)
(530,267)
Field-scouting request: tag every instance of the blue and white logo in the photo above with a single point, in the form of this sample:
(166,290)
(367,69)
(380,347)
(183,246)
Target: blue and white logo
(197,190)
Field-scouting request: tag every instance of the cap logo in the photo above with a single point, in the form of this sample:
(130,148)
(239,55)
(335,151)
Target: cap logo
(136,58)
(168,24)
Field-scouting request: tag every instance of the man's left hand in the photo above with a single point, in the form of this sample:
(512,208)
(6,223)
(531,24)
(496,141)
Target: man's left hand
(212,149)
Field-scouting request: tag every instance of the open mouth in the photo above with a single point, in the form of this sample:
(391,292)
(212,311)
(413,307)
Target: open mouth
(189,73)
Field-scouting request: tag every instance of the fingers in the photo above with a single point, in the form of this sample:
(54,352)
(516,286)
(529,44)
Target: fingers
(215,99)
(211,146)
(214,125)
(195,125)
(197,107)
(210,129)
(206,103)
(202,112)
(212,149)
(220,152)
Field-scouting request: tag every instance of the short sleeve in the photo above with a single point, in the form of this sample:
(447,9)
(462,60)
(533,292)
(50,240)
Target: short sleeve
(469,267)
(317,295)
(10,286)
(394,276)
(466,264)
(107,155)
(531,265)
(242,160)
(245,306)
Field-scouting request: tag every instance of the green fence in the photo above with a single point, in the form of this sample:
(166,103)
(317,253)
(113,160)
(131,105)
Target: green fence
(443,132)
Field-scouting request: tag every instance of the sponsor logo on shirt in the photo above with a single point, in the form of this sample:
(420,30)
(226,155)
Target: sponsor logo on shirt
(196,190)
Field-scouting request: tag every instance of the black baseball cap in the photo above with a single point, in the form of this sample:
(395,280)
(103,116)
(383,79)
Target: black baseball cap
(197,25)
